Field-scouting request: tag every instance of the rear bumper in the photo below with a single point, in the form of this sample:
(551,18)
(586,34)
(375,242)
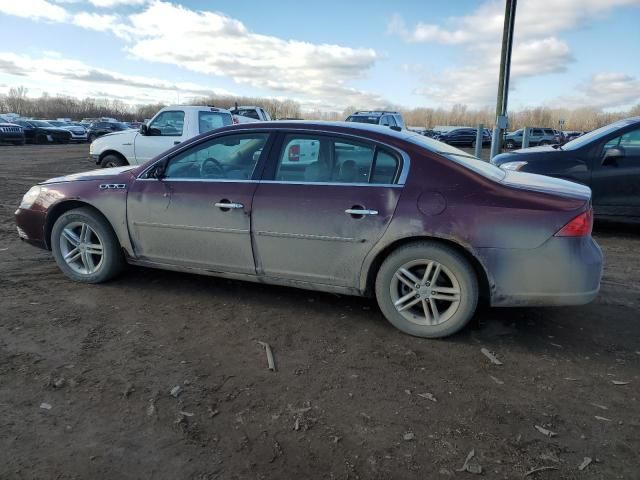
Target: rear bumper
(563,271)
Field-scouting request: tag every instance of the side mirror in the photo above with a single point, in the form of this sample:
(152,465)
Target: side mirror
(612,155)
(143,129)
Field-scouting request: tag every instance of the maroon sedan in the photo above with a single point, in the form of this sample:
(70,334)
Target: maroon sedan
(339,207)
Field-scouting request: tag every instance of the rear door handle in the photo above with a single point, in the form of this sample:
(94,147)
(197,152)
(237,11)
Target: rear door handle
(177,142)
(358,211)
(227,205)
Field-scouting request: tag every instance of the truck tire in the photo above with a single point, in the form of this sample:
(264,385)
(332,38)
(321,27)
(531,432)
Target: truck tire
(110,161)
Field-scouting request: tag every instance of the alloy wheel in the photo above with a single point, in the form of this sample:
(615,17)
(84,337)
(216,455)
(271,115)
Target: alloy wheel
(82,248)
(425,292)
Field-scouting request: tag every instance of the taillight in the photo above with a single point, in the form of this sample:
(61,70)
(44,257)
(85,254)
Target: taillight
(580,226)
(294,153)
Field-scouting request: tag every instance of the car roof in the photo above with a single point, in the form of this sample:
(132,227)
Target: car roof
(337,127)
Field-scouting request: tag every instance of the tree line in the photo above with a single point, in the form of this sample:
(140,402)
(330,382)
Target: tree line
(48,106)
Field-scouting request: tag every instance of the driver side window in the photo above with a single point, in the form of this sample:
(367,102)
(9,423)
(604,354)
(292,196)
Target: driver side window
(167,124)
(232,157)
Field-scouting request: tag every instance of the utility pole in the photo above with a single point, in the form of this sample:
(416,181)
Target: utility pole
(503,81)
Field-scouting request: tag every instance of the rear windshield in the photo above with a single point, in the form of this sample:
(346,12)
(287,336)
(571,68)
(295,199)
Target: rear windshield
(208,121)
(363,119)
(247,112)
(459,156)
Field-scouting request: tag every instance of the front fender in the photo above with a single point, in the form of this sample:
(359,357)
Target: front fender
(102,195)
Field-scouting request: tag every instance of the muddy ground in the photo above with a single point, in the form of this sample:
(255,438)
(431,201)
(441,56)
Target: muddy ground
(349,398)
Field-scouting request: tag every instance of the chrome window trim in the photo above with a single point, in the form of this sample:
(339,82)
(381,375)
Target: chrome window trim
(272,182)
(402,178)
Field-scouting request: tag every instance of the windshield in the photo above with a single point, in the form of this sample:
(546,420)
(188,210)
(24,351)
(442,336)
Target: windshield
(363,119)
(40,123)
(593,135)
(459,156)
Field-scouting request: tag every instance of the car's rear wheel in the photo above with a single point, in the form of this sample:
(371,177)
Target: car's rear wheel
(510,144)
(113,161)
(427,289)
(85,247)
(40,139)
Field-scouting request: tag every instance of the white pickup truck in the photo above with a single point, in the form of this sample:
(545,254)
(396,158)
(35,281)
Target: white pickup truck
(169,127)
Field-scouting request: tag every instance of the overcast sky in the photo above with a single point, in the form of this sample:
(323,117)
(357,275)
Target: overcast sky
(328,54)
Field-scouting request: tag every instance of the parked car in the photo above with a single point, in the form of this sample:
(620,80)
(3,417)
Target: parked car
(607,160)
(135,125)
(11,133)
(378,117)
(537,136)
(169,127)
(247,114)
(463,137)
(98,129)
(39,131)
(426,228)
(78,132)
(570,135)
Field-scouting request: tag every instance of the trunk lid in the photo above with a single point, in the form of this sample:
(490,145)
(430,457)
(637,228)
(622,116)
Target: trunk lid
(544,184)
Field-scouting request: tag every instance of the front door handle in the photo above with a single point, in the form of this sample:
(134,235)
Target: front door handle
(228,205)
(360,211)
(176,142)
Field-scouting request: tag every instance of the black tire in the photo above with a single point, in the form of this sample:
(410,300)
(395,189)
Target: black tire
(510,144)
(113,161)
(91,138)
(448,258)
(17,144)
(112,262)
(41,139)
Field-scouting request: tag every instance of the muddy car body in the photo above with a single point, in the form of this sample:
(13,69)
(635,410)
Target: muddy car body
(426,228)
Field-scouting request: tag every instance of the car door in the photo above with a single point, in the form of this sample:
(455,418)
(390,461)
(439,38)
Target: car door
(615,178)
(167,129)
(316,221)
(198,214)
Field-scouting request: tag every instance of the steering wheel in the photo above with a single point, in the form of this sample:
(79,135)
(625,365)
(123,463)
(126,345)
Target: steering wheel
(211,168)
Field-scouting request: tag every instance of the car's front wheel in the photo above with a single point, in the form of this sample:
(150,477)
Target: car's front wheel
(427,289)
(85,246)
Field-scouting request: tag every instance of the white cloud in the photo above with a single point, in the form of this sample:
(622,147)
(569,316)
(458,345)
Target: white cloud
(115,3)
(533,19)
(604,90)
(215,44)
(33,9)
(95,21)
(76,78)
(537,50)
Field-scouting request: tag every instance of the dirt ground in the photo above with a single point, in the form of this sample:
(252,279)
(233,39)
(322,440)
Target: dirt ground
(351,398)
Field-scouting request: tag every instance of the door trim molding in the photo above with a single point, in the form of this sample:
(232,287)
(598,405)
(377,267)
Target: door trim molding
(191,227)
(305,236)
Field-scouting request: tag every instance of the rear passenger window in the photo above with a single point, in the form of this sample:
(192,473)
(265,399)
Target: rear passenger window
(385,169)
(324,159)
(352,162)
